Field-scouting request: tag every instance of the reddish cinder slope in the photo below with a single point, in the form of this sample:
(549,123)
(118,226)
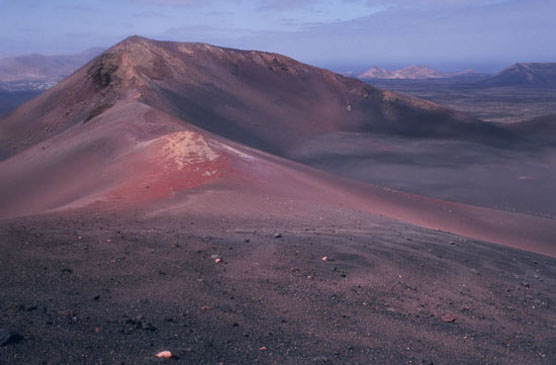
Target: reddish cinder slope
(264,100)
(120,135)
(134,157)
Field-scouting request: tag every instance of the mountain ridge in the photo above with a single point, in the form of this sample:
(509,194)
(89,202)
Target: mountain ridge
(226,91)
(526,74)
(38,67)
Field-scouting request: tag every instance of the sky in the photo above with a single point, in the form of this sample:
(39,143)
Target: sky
(344,35)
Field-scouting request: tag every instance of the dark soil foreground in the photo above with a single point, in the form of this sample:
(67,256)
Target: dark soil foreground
(108,290)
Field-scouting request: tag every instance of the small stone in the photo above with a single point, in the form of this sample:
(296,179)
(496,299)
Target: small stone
(277,235)
(263,348)
(325,258)
(164,355)
(525,284)
(218,260)
(448,318)
(147,326)
(66,313)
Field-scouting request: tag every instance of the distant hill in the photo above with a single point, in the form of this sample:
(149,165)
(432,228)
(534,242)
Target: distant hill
(37,67)
(409,72)
(524,75)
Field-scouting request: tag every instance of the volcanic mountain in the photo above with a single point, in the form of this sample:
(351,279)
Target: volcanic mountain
(541,75)
(416,72)
(37,67)
(172,127)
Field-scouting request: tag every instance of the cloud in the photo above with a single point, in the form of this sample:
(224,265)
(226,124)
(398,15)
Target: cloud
(438,5)
(183,3)
(286,5)
(151,14)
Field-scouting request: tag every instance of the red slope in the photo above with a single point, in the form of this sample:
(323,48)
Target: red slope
(135,157)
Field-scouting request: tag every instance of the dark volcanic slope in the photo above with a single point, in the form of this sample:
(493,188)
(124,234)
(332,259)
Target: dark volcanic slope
(541,129)
(525,75)
(263,100)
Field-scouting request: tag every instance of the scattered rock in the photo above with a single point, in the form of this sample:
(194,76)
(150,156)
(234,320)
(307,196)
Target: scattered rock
(466,308)
(277,235)
(325,258)
(448,318)
(66,313)
(218,260)
(164,355)
(525,284)
(476,272)
(8,338)
(139,322)
(263,348)
(320,359)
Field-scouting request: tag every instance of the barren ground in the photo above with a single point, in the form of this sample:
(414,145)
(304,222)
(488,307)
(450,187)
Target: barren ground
(107,289)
